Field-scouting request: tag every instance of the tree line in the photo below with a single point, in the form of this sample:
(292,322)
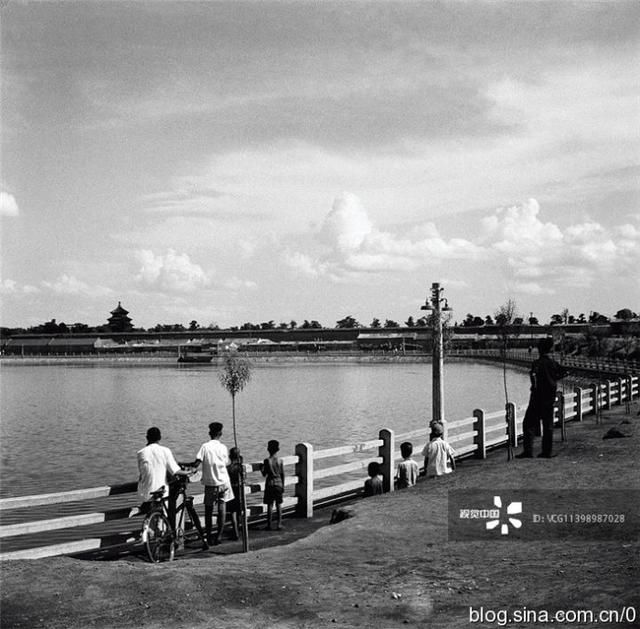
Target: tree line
(564,317)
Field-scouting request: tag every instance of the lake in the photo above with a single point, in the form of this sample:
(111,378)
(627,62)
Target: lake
(73,426)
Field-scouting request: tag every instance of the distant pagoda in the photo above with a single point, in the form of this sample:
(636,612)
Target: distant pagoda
(119,321)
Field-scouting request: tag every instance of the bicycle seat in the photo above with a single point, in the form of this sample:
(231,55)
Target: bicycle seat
(157,494)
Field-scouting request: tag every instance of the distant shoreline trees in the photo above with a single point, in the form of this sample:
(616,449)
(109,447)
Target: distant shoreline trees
(348,322)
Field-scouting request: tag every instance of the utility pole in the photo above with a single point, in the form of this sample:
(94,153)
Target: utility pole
(433,304)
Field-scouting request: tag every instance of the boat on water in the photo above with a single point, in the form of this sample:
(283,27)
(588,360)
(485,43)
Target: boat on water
(196,354)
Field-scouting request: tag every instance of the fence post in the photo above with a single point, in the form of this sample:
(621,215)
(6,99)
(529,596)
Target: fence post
(606,403)
(304,486)
(386,451)
(561,416)
(595,398)
(480,438)
(620,389)
(578,392)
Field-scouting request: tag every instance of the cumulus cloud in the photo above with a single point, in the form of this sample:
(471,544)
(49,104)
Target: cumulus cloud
(170,272)
(542,257)
(537,256)
(347,225)
(8,204)
(348,243)
(518,229)
(70,285)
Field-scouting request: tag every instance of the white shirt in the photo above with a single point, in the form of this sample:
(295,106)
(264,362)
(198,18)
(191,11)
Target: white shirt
(215,458)
(437,453)
(154,461)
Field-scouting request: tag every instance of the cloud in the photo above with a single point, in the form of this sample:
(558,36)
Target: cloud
(518,229)
(349,245)
(532,288)
(8,287)
(8,204)
(236,284)
(181,199)
(304,263)
(541,258)
(347,225)
(170,272)
(70,285)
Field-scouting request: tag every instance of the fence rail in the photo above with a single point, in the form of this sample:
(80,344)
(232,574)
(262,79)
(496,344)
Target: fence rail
(98,518)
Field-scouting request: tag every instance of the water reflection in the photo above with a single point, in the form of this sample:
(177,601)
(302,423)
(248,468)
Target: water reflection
(70,426)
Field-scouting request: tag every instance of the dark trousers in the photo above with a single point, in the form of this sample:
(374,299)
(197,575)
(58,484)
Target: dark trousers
(539,410)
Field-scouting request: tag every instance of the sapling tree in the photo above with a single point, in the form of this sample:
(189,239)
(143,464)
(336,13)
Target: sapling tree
(235,374)
(504,320)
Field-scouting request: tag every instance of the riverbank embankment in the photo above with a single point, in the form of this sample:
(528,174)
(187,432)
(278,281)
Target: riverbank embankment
(391,565)
(257,358)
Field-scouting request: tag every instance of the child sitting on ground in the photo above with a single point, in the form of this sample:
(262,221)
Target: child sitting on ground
(407,472)
(273,470)
(373,484)
(438,454)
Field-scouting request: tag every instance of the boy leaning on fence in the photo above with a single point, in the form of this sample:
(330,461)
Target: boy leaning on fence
(273,470)
(214,457)
(373,484)
(544,373)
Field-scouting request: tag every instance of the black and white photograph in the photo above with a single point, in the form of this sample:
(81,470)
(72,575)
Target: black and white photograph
(319,314)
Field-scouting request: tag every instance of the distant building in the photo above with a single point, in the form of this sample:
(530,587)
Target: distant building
(119,321)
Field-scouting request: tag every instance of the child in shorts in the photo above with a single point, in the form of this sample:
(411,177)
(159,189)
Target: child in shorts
(273,470)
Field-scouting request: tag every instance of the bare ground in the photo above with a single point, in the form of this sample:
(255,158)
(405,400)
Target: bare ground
(391,565)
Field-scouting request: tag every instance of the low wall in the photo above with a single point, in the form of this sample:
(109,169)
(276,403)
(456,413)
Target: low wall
(83,520)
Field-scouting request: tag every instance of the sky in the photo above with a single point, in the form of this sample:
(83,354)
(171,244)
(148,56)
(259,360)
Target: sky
(232,162)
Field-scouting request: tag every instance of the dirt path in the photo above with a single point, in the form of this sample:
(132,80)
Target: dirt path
(391,565)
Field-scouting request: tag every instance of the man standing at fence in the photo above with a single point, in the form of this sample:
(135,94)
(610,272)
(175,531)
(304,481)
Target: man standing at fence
(155,463)
(545,373)
(214,456)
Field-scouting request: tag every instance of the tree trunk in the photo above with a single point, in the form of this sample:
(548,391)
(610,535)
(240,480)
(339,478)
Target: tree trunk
(241,498)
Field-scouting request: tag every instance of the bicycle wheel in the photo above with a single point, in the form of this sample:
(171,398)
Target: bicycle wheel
(158,538)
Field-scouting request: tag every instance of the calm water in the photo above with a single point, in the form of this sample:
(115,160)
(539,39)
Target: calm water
(75,426)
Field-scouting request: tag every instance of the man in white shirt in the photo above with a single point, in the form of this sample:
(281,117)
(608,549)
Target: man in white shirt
(214,457)
(155,463)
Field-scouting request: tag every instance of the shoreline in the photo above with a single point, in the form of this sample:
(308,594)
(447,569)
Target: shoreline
(258,359)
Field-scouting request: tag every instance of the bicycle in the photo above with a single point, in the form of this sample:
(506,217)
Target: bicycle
(160,537)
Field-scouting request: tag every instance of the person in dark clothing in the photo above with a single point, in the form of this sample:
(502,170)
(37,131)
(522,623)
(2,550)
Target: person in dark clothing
(273,470)
(545,373)
(373,484)
(234,507)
